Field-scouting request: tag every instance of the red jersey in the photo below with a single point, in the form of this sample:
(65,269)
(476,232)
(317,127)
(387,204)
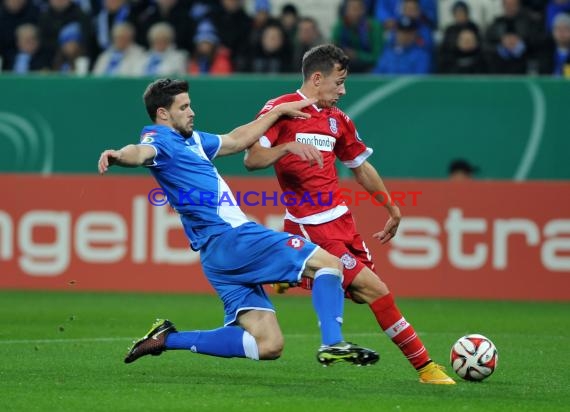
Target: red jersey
(313,193)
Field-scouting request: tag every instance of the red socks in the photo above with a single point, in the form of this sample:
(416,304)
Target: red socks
(399,330)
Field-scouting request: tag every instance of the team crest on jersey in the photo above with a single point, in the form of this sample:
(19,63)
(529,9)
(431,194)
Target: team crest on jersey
(348,261)
(148,137)
(295,242)
(332,125)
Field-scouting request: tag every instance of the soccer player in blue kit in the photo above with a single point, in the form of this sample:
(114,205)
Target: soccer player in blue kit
(237,255)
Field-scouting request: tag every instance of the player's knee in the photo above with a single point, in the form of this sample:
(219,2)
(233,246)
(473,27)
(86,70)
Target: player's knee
(335,263)
(324,260)
(271,348)
(367,287)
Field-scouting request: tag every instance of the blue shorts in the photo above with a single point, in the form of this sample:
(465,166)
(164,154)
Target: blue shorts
(238,262)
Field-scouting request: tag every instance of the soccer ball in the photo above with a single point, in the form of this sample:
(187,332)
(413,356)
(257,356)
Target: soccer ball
(474,357)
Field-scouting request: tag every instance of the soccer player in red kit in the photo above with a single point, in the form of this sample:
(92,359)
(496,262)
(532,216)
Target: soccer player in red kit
(293,146)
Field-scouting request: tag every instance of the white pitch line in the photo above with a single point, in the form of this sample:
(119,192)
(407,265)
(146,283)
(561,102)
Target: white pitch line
(371,99)
(533,144)
(377,95)
(47,166)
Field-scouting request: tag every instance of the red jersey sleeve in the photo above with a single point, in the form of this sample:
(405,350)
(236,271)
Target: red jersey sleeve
(270,136)
(349,147)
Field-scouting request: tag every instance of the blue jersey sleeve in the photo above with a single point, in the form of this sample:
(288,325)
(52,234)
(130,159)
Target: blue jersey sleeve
(210,143)
(160,146)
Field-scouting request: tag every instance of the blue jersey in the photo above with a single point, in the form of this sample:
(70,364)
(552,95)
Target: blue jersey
(194,188)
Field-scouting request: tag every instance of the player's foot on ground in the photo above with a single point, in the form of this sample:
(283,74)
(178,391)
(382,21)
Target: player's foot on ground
(346,352)
(434,374)
(153,343)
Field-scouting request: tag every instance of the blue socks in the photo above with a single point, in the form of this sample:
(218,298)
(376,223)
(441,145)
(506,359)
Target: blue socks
(226,342)
(328,301)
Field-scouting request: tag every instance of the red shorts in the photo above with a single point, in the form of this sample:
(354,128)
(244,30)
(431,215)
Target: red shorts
(339,238)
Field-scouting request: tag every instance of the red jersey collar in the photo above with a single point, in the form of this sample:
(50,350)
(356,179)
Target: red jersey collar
(305,97)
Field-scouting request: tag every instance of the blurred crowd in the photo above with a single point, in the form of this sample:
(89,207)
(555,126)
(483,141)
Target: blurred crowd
(173,37)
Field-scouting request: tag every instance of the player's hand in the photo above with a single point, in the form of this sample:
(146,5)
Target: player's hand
(390,228)
(293,109)
(306,152)
(108,158)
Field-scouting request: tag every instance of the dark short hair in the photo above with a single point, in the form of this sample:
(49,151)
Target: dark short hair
(323,59)
(289,8)
(460,5)
(462,165)
(161,93)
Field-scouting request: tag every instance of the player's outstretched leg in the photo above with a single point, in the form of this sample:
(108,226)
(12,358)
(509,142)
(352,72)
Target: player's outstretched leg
(153,343)
(328,301)
(225,342)
(367,287)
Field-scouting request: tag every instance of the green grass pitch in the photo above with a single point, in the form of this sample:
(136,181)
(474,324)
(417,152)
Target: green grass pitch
(64,351)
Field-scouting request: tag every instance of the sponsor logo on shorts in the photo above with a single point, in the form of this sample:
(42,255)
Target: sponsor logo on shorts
(348,261)
(296,243)
(332,125)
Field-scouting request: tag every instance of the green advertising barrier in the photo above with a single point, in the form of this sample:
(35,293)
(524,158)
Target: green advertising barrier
(510,128)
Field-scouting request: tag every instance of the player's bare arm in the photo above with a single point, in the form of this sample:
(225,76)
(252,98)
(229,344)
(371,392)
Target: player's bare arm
(244,136)
(367,177)
(259,157)
(129,156)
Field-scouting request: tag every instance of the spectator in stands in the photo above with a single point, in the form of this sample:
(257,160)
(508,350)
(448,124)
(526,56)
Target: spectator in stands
(163,59)
(461,21)
(70,49)
(261,13)
(209,57)
(233,26)
(553,9)
(359,36)
(519,21)
(466,56)
(29,55)
(272,54)
(289,19)
(113,12)
(461,169)
(413,10)
(261,17)
(510,56)
(124,57)
(481,12)
(370,6)
(537,8)
(389,11)
(561,34)
(404,56)
(58,14)
(173,12)
(202,9)
(14,13)
(308,36)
